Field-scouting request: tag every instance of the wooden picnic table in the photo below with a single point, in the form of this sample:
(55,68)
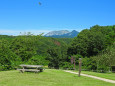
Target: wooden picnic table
(31,68)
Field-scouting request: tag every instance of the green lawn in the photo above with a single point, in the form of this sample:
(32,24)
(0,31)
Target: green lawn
(47,78)
(103,75)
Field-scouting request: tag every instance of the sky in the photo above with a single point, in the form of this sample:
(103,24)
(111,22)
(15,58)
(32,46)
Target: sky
(52,15)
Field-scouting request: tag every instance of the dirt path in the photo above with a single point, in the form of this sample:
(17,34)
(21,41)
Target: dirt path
(103,79)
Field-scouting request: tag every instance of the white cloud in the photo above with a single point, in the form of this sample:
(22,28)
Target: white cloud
(17,32)
(33,31)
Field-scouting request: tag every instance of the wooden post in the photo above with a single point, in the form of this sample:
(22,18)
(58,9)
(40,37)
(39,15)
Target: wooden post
(74,62)
(71,59)
(79,66)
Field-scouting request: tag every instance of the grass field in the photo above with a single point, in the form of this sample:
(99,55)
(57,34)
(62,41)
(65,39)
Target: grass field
(103,75)
(47,78)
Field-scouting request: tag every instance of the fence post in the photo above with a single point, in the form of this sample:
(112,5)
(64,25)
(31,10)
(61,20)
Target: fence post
(74,62)
(79,66)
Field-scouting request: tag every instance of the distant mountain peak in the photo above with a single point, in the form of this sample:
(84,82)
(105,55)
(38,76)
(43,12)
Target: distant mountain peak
(62,34)
(74,31)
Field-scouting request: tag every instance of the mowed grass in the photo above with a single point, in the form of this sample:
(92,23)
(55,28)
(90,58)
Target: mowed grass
(103,75)
(49,77)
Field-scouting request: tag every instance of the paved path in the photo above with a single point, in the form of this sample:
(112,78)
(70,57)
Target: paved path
(103,79)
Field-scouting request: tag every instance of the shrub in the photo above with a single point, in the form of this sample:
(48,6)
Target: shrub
(67,65)
(38,60)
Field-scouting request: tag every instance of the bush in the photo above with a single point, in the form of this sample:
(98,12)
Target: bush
(38,60)
(66,65)
(106,59)
(8,59)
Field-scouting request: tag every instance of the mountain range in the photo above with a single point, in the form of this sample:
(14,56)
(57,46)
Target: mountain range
(62,34)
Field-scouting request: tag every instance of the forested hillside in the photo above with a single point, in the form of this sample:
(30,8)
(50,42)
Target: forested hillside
(30,49)
(96,47)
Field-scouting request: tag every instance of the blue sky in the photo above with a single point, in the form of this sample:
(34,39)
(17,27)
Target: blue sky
(28,16)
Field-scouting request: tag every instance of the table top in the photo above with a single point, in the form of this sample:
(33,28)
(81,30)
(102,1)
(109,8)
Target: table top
(36,66)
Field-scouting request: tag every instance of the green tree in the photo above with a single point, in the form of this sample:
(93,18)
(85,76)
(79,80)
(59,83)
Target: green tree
(25,46)
(38,60)
(8,59)
(91,42)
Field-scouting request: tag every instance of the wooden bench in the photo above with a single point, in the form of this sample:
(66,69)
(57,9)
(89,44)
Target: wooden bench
(31,68)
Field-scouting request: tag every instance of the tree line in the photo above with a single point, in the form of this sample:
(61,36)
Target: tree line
(96,47)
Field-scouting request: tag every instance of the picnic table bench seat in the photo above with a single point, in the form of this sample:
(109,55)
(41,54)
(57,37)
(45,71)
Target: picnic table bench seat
(31,68)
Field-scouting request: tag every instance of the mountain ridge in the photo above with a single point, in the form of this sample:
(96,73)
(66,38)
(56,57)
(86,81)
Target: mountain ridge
(62,34)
